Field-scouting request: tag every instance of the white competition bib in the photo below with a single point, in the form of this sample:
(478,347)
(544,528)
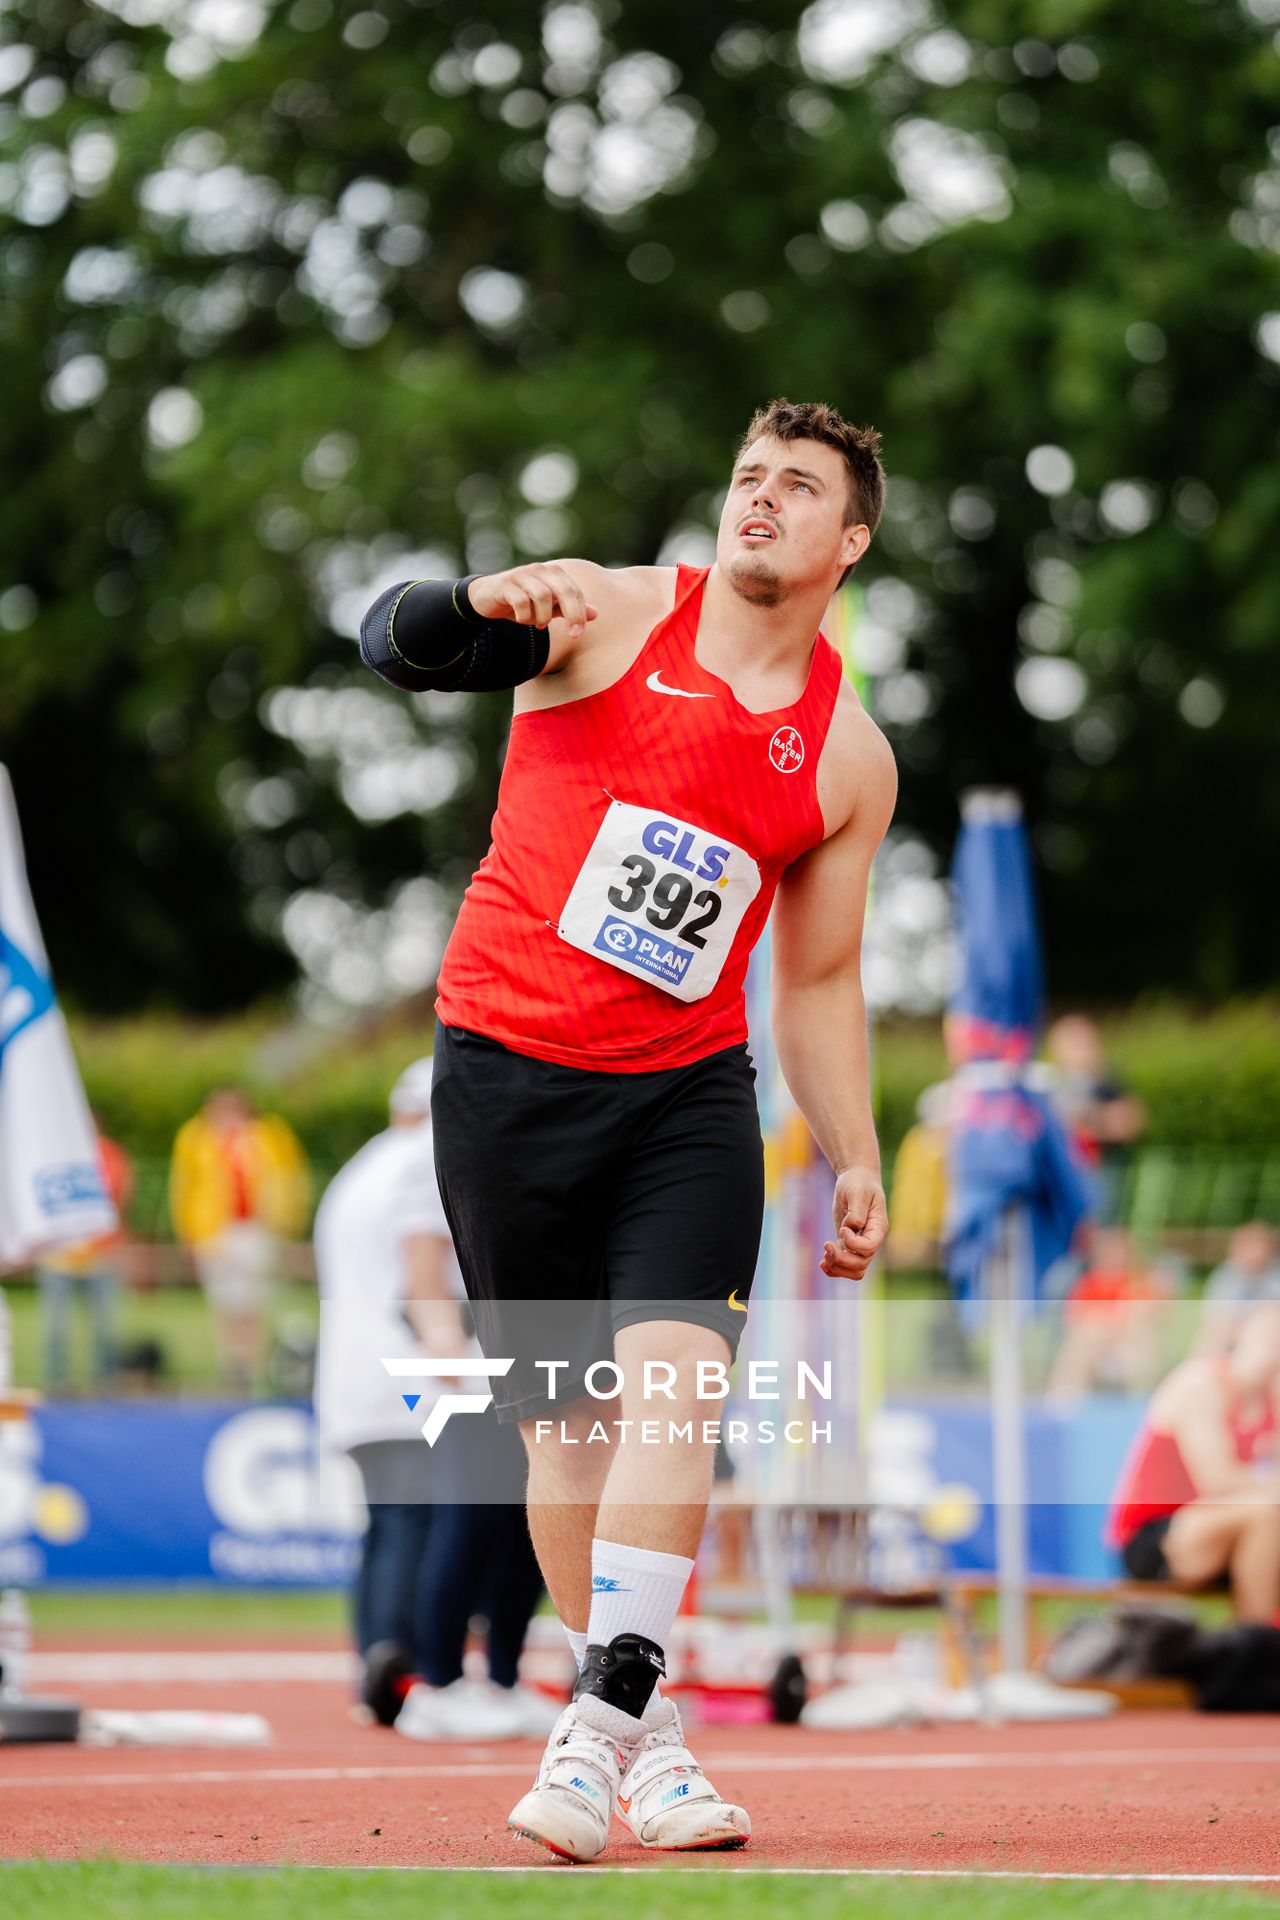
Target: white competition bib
(660,898)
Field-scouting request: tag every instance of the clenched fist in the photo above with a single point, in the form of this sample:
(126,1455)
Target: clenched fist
(534,595)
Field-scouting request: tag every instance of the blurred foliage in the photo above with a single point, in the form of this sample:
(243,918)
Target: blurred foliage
(1208,1081)
(280,310)
(145,1076)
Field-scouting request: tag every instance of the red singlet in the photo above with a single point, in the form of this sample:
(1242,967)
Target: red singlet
(1154,1480)
(639,837)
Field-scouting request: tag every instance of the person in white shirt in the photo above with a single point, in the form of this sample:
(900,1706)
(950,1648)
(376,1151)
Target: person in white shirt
(447,1537)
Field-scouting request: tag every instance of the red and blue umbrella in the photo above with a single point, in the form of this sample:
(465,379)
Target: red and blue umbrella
(1010,1155)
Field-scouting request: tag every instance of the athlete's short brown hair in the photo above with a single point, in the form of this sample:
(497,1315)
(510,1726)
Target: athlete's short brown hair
(859,447)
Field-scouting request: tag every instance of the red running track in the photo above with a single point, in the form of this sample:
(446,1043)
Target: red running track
(1139,1794)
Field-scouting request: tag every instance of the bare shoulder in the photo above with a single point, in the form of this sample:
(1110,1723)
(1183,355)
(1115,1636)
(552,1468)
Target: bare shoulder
(857,774)
(624,589)
(1192,1390)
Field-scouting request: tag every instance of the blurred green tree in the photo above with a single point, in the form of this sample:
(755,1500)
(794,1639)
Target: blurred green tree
(297,300)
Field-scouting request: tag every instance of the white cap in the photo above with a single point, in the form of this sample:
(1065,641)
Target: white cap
(412,1091)
(984,806)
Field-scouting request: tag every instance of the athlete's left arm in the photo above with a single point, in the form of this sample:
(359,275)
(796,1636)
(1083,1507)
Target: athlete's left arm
(819,1015)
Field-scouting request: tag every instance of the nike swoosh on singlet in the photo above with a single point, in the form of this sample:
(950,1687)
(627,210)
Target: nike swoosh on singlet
(735,1303)
(655,683)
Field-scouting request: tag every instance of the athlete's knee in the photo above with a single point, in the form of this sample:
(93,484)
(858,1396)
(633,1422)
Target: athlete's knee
(667,1364)
(670,1340)
(1238,1518)
(559,1442)
(1204,1538)
(1261,1522)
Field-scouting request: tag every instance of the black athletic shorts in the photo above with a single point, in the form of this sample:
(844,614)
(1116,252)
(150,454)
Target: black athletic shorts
(1143,1552)
(582,1202)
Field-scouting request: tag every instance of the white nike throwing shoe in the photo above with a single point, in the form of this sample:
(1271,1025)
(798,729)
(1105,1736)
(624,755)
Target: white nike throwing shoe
(666,1799)
(569,1806)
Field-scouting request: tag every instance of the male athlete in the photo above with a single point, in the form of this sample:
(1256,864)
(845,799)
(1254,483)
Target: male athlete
(685,754)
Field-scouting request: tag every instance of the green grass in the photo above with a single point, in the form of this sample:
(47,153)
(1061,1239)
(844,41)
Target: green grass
(873,1624)
(118,1891)
(181,1613)
(176,1316)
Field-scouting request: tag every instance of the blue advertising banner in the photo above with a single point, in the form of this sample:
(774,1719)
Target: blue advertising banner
(242,1496)
(165,1492)
(1073,1460)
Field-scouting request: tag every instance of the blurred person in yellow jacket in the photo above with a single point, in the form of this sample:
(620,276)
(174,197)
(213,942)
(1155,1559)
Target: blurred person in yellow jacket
(238,1185)
(920,1185)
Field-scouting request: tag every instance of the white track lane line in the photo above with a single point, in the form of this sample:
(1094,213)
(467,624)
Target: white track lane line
(491,1769)
(211,1669)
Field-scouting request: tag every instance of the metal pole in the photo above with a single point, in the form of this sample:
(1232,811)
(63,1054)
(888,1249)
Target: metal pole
(1008,1441)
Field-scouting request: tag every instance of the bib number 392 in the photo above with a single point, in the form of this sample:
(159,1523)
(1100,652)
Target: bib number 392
(661,899)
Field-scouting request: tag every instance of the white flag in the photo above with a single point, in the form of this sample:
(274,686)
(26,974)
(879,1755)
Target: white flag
(51,1191)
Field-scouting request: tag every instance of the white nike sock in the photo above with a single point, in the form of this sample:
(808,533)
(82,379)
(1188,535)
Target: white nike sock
(577,1644)
(634,1590)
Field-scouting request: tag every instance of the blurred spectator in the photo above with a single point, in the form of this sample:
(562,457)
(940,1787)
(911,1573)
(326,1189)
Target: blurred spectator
(238,1184)
(92,1269)
(1198,1499)
(1104,1118)
(1249,1274)
(447,1536)
(919,1187)
(1111,1320)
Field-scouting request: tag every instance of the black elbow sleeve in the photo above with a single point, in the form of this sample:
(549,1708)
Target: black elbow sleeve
(424,636)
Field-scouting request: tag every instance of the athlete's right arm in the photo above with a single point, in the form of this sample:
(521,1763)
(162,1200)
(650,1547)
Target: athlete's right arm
(575,603)
(547,594)
(481,633)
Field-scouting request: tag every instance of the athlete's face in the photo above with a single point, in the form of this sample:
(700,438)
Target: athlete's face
(783,528)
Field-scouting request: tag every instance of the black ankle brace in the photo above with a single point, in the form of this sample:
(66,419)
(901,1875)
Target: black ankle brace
(624,1674)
